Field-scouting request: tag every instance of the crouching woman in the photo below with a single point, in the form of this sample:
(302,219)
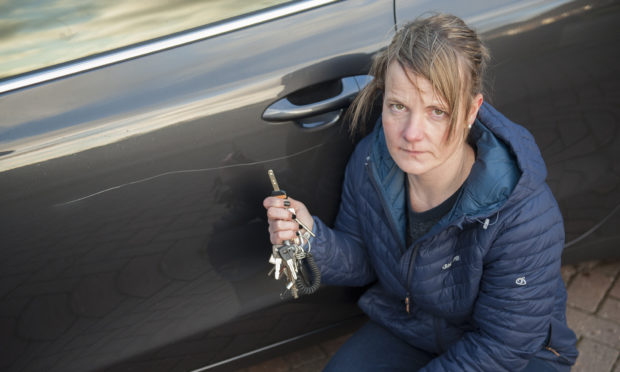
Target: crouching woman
(445,209)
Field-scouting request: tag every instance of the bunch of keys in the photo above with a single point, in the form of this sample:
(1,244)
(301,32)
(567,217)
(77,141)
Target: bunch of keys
(288,257)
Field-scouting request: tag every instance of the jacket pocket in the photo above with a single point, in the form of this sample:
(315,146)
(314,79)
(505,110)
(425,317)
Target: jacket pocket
(559,343)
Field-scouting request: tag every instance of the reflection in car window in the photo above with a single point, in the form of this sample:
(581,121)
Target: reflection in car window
(41,33)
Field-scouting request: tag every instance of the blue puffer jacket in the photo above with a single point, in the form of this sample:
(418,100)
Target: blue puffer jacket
(484,284)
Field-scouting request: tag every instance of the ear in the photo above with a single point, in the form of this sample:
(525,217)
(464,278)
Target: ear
(473,109)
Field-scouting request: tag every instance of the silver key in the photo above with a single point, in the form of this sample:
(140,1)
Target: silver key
(278,268)
(273,262)
(277,261)
(287,252)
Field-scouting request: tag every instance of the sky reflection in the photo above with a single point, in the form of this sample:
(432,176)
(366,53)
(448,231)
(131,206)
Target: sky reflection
(41,33)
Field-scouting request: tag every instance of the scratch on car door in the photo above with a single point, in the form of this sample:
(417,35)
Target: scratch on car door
(187,171)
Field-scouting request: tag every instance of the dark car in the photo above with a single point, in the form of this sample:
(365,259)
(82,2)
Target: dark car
(135,141)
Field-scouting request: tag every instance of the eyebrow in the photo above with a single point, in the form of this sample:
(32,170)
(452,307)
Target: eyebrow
(439,106)
(433,104)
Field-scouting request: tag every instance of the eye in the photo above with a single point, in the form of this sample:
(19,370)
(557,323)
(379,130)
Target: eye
(398,107)
(438,113)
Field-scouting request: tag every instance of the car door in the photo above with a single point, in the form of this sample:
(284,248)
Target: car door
(554,70)
(131,182)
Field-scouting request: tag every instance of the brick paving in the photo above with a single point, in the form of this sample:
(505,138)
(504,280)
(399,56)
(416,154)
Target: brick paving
(593,312)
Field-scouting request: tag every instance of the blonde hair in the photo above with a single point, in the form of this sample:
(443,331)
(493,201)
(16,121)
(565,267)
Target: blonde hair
(440,48)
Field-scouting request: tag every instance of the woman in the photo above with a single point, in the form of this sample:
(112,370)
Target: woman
(446,210)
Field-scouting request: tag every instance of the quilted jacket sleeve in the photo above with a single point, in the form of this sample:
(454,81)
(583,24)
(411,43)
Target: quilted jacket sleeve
(519,284)
(340,252)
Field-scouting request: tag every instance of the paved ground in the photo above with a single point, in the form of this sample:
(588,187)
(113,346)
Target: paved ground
(593,313)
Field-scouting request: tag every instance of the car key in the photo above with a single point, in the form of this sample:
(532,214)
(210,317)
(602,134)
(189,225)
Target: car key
(277,192)
(276,269)
(287,252)
(276,188)
(289,257)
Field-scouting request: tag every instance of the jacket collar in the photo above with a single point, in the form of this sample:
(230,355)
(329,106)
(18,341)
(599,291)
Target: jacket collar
(501,157)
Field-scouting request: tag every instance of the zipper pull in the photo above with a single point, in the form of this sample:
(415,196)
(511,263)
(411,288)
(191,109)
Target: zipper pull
(552,350)
(407,302)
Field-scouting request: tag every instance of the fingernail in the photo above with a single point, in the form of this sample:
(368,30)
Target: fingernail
(287,203)
(297,233)
(294,216)
(300,227)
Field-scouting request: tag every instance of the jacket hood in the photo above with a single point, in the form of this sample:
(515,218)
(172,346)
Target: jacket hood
(508,167)
(521,145)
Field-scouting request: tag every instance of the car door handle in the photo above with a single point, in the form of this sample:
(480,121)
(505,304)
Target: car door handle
(321,113)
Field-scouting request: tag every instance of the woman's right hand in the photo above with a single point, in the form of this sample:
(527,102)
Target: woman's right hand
(281,221)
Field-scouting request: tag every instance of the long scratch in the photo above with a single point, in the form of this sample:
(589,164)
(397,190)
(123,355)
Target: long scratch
(568,245)
(186,171)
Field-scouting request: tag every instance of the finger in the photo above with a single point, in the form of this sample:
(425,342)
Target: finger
(275,213)
(280,236)
(302,213)
(272,201)
(282,225)
(296,204)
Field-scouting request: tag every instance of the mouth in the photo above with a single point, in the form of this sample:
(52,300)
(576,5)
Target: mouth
(412,152)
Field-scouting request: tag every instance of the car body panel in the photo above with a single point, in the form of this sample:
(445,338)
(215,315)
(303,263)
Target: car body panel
(131,194)
(132,235)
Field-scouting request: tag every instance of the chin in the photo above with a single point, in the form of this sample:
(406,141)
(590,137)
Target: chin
(413,168)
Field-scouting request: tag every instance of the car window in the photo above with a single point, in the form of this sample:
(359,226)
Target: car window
(39,33)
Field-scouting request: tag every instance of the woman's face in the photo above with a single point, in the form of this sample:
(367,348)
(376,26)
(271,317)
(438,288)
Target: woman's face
(416,124)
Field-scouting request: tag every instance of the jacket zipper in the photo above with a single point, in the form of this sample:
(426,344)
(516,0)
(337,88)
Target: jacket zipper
(409,271)
(386,209)
(407,303)
(373,180)
(371,175)
(548,346)
(553,351)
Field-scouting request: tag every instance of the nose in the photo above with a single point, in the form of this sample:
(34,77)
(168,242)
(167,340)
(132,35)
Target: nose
(414,128)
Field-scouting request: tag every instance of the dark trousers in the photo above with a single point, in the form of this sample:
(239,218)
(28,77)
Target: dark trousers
(373,348)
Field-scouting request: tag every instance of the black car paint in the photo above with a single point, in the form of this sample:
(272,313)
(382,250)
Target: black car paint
(554,70)
(148,230)
(136,239)
(557,74)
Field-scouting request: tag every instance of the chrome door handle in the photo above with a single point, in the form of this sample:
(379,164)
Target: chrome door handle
(284,110)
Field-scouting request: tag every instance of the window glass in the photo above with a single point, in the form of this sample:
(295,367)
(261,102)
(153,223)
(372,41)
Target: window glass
(40,33)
